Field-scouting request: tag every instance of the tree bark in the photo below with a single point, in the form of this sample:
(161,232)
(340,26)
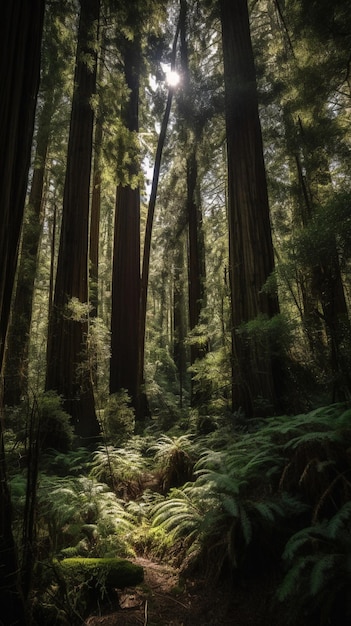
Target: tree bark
(20,41)
(148,233)
(67,360)
(250,240)
(16,369)
(196,255)
(179,319)
(126,255)
(96,198)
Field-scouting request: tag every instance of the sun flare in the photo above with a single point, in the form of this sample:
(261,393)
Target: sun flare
(172,78)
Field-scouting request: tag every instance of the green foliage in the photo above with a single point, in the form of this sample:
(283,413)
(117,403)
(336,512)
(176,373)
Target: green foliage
(319,576)
(248,498)
(327,231)
(82,512)
(120,468)
(107,572)
(211,376)
(75,587)
(162,387)
(41,419)
(70,463)
(55,428)
(98,342)
(274,332)
(174,457)
(118,417)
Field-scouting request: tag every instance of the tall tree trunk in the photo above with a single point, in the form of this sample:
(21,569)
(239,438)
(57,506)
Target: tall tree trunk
(196,254)
(148,234)
(196,262)
(179,319)
(96,197)
(126,255)
(67,361)
(20,41)
(16,368)
(250,239)
(95,222)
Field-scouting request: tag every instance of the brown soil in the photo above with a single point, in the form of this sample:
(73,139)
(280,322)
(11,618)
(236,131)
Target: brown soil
(164,600)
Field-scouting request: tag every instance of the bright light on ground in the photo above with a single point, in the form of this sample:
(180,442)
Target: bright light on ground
(172,78)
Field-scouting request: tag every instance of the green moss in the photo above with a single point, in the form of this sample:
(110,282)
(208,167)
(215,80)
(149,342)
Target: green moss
(112,572)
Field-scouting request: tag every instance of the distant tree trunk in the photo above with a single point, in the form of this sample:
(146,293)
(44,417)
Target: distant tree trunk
(96,199)
(326,281)
(126,255)
(16,369)
(95,222)
(326,320)
(196,255)
(179,319)
(312,322)
(67,362)
(325,314)
(250,239)
(196,261)
(148,234)
(20,41)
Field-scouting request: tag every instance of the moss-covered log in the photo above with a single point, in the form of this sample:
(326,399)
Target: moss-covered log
(110,573)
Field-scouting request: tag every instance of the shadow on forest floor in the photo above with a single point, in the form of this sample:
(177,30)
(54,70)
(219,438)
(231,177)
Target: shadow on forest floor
(162,601)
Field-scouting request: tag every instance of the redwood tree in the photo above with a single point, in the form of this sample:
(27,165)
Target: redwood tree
(51,86)
(20,41)
(67,359)
(126,255)
(250,240)
(192,130)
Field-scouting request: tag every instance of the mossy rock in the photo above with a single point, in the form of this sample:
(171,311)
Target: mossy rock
(110,573)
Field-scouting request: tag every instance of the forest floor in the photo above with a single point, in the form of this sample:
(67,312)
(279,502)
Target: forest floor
(165,600)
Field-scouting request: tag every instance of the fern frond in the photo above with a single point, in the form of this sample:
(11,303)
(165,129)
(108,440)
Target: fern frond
(312,437)
(231,506)
(340,520)
(166,444)
(246,525)
(323,570)
(296,543)
(263,460)
(269,510)
(177,516)
(292,580)
(220,482)
(211,459)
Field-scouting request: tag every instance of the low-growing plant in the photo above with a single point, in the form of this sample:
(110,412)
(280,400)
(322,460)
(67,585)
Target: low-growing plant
(174,457)
(55,427)
(247,500)
(85,514)
(118,419)
(318,578)
(76,587)
(122,469)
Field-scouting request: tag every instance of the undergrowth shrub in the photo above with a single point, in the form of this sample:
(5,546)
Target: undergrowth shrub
(248,500)
(41,420)
(83,514)
(55,427)
(318,578)
(118,418)
(76,587)
(174,458)
(122,469)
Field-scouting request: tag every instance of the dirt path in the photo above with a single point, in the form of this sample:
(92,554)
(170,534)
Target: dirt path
(162,601)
